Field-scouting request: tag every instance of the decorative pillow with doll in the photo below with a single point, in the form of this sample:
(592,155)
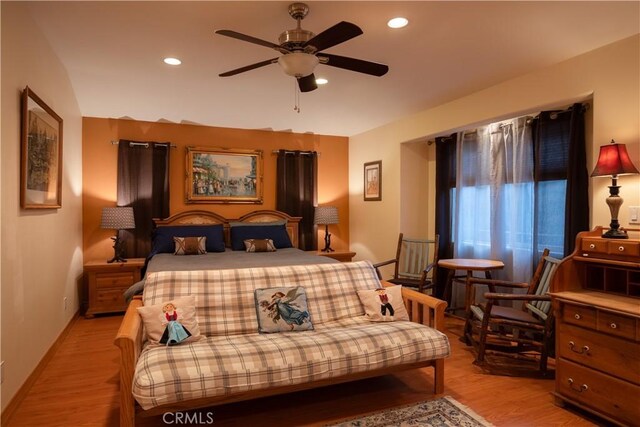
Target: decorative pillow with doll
(383,304)
(172,322)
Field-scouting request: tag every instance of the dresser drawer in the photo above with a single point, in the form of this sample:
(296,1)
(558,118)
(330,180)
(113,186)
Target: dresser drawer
(122,279)
(616,398)
(600,351)
(594,245)
(616,324)
(623,248)
(581,315)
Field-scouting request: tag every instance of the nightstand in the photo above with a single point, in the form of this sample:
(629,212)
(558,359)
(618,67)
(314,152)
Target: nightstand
(106,283)
(342,256)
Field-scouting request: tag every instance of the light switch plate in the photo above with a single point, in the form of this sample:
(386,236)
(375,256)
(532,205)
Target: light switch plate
(634,214)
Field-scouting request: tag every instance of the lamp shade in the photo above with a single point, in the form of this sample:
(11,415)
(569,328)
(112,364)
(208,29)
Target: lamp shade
(326,215)
(118,218)
(614,160)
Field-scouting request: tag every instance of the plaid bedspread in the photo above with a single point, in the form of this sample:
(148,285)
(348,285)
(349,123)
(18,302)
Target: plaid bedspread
(222,365)
(225,303)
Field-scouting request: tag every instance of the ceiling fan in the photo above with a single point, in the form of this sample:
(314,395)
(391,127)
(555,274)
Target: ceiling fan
(302,50)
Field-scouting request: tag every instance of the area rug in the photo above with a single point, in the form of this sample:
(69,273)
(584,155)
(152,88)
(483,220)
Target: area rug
(443,412)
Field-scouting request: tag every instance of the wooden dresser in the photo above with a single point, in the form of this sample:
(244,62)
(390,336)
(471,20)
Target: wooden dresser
(107,282)
(596,300)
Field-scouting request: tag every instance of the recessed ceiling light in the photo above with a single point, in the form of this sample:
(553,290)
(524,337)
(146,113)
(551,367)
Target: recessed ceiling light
(398,22)
(172,61)
(322,81)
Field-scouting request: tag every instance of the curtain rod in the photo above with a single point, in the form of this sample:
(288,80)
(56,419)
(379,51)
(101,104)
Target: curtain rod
(306,153)
(143,144)
(553,116)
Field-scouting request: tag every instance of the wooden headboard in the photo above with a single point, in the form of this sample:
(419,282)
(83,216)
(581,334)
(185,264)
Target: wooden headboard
(198,217)
(271,216)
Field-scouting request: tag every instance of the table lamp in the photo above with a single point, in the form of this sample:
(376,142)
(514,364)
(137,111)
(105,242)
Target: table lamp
(614,161)
(325,215)
(118,218)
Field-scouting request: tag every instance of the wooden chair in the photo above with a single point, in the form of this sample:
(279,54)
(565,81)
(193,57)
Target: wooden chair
(416,263)
(518,332)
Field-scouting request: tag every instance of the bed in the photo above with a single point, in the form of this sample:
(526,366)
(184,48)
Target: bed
(226,257)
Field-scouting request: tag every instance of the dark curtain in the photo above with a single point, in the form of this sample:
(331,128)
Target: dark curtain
(560,154)
(143,183)
(445,183)
(296,194)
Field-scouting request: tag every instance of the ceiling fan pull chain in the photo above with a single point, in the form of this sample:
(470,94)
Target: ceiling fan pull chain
(296,92)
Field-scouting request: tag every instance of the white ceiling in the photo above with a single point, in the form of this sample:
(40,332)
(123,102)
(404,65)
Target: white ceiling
(113,52)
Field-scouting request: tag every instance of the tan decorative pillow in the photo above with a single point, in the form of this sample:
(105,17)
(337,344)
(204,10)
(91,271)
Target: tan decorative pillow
(383,304)
(190,245)
(172,322)
(259,245)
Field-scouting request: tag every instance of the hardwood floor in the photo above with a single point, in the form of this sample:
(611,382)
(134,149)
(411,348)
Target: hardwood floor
(79,387)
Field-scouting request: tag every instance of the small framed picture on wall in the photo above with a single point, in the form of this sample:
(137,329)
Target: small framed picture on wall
(41,154)
(373,181)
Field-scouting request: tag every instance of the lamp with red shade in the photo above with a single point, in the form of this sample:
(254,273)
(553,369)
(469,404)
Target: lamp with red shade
(614,161)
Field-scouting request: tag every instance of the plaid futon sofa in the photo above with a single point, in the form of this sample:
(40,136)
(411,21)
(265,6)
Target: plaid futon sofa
(233,358)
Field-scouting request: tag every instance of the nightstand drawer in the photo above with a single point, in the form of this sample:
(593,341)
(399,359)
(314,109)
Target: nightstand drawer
(614,397)
(600,351)
(112,300)
(115,280)
(579,315)
(616,324)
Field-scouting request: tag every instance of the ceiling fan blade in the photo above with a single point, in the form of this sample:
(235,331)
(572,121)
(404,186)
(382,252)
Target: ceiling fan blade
(250,39)
(249,67)
(339,33)
(307,83)
(357,65)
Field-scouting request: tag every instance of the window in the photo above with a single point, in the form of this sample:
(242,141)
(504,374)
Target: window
(512,188)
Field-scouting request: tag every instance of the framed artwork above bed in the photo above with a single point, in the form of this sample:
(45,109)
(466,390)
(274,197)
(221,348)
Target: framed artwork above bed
(219,175)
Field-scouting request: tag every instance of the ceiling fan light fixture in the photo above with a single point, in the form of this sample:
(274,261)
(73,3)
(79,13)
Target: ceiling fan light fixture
(298,64)
(398,22)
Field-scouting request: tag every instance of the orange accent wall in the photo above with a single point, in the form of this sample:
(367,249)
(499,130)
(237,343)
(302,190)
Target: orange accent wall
(99,171)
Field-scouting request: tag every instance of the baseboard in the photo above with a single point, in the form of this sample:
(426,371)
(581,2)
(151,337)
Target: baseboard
(22,392)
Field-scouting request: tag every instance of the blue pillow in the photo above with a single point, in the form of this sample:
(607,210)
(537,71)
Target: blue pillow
(277,233)
(163,237)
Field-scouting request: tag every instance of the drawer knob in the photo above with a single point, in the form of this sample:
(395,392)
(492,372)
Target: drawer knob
(584,350)
(613,325)
(592,246)
(621,248)
(577,316)
(580,389)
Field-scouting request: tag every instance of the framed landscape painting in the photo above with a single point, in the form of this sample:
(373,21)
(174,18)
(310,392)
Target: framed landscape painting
(373,181)
(41,154)
(219,175)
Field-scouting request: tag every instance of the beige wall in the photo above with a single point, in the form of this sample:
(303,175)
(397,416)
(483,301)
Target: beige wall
(609,75)
(41,255)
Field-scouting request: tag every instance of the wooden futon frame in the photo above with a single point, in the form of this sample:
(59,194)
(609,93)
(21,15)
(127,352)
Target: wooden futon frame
(422,309)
